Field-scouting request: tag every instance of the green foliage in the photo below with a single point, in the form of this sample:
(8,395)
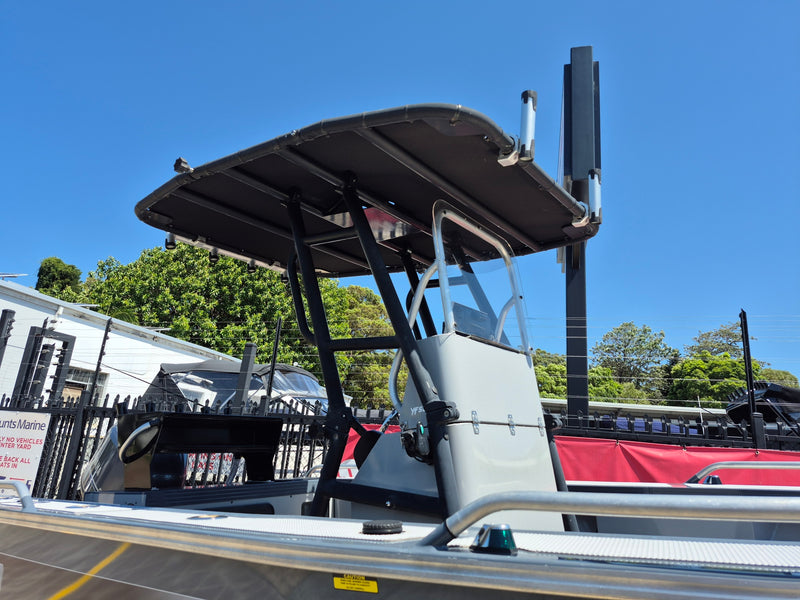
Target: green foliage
(725,339)
(633,353)
(218,306)
(222,307)
(780,377)
(552,380)
(602,385)
(551,376)
(708,378)
(630,393)
(55,276)
(365,376)
(660,378)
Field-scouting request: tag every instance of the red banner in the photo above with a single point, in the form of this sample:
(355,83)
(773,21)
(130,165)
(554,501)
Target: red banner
(353,438)
(589,459)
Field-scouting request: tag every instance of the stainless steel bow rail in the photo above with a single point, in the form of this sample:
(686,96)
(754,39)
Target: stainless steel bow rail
(718,508)
(23,492)
(742,464)
(618,565)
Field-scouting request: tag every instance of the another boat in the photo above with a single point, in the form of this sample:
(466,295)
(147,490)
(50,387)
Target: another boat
(467,500)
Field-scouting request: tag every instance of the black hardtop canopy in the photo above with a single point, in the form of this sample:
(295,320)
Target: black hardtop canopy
(401,161)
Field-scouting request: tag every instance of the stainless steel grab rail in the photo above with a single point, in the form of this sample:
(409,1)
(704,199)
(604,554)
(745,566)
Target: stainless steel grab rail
(775,509)
(23,492)
(742,464)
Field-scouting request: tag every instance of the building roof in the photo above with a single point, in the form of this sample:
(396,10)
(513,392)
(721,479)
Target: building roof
(61,309)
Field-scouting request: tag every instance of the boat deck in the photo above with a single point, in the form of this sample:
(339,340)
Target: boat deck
(730,555)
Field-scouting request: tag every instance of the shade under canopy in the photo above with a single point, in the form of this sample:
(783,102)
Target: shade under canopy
(402,160)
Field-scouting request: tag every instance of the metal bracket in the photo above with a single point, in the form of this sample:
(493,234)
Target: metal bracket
(475,423)
(542,428)
(508,160)
(582,221)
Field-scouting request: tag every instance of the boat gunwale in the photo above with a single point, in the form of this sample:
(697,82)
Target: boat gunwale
(411,562)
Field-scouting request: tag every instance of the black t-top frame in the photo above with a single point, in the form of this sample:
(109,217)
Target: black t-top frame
(354,196)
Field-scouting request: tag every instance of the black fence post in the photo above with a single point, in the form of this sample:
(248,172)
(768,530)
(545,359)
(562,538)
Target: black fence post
(6,323)
(71,467)
(96,376)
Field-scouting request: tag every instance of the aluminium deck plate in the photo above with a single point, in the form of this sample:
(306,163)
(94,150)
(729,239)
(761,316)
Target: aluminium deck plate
(717,554)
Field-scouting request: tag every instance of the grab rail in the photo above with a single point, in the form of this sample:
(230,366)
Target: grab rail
(766,508)
(441,211)
(23,492)
(413,310)
(742,464)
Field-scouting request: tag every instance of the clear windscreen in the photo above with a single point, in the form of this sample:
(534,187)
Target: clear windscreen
(482,297)
(216,389)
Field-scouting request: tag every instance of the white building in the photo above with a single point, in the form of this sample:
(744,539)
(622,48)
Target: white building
(131,359)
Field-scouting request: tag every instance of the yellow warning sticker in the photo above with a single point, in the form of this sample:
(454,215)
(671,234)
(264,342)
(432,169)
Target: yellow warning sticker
(355,583)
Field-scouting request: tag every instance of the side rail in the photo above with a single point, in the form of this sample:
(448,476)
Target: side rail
(23,492)
(742,464)
(772,509)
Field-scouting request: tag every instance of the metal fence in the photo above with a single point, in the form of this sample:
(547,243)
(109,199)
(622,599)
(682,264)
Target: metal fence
(684,430)
(78,426)
(74,432)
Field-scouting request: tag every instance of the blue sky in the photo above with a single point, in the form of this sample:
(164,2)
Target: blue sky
(699,108)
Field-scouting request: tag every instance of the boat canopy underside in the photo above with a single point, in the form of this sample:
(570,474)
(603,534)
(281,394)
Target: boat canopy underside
(400,161)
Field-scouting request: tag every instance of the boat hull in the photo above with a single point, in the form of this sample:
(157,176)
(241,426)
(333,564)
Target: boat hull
(116,553)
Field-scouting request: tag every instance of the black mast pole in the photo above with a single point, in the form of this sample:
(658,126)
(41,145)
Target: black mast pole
(581,162)
(756,418)
(748,364)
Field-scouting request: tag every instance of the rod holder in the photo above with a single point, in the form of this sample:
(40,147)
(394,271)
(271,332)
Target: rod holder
(527,125)
(595,203)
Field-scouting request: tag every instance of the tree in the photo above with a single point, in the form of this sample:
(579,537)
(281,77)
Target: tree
(551,374)
(366,375)
(217,306)
(55,275)
(779,376)
(633,353)
(724,339)
(708,378)
(222,306)
(602,385)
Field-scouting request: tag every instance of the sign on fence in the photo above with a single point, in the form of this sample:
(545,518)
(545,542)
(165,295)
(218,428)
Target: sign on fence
(22,437)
